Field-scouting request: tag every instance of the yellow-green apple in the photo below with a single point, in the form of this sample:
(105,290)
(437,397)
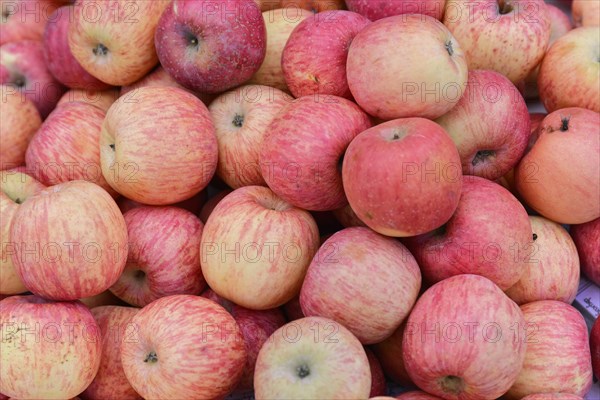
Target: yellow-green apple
(378,9)
(558,355)
(420,193)
(147,157)
(426,84)
(570,73)
(256,248)
(69,241)
(163,257)
(586,12)
(595,347)
(552,270)
(356,256)
(105,298)
(463,339)
(22,67)
(241,118)
(315,134)
(114,40)
(101,99)
(389,353)
(490,125)
(279,24)
(552,396)
(65,148)
(473,241)
(184,347)
(587,237)
(115,327)
(50,350)
(15,188)
(210,205)
(59,59)
(347,217)
(19,120)
(256,327)
(507,36)
(210,46)
(558,177)
(24,19)
(312,358)
(378,382)
(314,57)
(417,395)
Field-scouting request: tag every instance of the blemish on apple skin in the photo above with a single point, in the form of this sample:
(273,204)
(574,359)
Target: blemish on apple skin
(535,236)
(369,215)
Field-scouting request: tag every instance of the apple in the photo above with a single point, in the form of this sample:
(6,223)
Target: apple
(586,12)
(552,396)
(105,298)
(378,9)
(420,193)
(558,178)
(68,241)
(552,271)
(256,248)
(209,46)
(292,5)
(595,347)
(586,237)
(312,358)
(163,134)
(536,120)
(163,257)
(303,148)
(184,347)
(461,341)
(101,99)
(115,327)
(421,68)
(569,73)
(389,354)
(347,217)
(490,125)
(314,57)
(59,59)
(193,204)
(355,256)
(114,40)
(50,350)
(22,67)
(417,395)
(210,205)
(15,188)
(378,383)
(19,120)
(558,355)
(507,36)
(24,19)
(242,118)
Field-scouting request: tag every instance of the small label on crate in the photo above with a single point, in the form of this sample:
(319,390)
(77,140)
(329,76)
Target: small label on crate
(588,300)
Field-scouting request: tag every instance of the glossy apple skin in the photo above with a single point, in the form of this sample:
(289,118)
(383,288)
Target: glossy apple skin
(389,353)
(245,245)
(485,120)
(231,36)
(314,57)
(595,347)
(23,68)
(326,348)
(150,149)
(50,331)
(378,9)
(511,43)
(465,363)
(552,396)
(417,196)
(558,355)
(378,383)
(102,99)
(355,256)
(197,346)
(427,84)
(417,395)
(26,19)
(302,149)
(115,327)
(242,118)
(586,237)
(69,241)
(559,176)
(569,75)
(163,257)
(586,12)
(59,59)
(552,271)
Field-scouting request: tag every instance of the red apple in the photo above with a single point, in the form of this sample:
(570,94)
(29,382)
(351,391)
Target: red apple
(586,237)
(378,383)
(378,9)
(389,353)
(595,347)
(417,395)
(24,19)
(101,99)
(552,396)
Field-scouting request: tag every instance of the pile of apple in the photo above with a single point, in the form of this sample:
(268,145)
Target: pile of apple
(298,199)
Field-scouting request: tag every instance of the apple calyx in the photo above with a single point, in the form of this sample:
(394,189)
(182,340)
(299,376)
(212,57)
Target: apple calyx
(139,275)
(481,156)
(303,371)
(191,39)
(100,50)
(151,358)
(449,48)
(452,384)
(238,120)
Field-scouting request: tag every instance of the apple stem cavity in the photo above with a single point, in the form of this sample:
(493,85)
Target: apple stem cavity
(151,358)
(449,48)
(18,200)
(100,50)
(139,275)
(303,371)
(238,121)
(481,156)
(191,39)
(452,384)
(19,81)
(112,146)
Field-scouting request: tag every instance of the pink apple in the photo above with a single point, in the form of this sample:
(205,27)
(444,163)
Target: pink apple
(558,351)
(24,19)
(461,342)
(50,350)
(210,205)
(211,46)
(586,237)
(595,347)
(389,353)
(185,347)
(417,395)
(241,118)
(378,9)
(193,204)
(256,248)
(378,383)
(163,134)
(552,396)
(78,249)
(422,190)
(586,12)
(101,99)
(163,257)
(303,148)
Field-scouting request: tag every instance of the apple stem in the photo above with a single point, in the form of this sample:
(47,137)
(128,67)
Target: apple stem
(535,236)
(238,121)
(452,384)
(481,155)
(112,146)
(564,126)
(18,200)
(449,47)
